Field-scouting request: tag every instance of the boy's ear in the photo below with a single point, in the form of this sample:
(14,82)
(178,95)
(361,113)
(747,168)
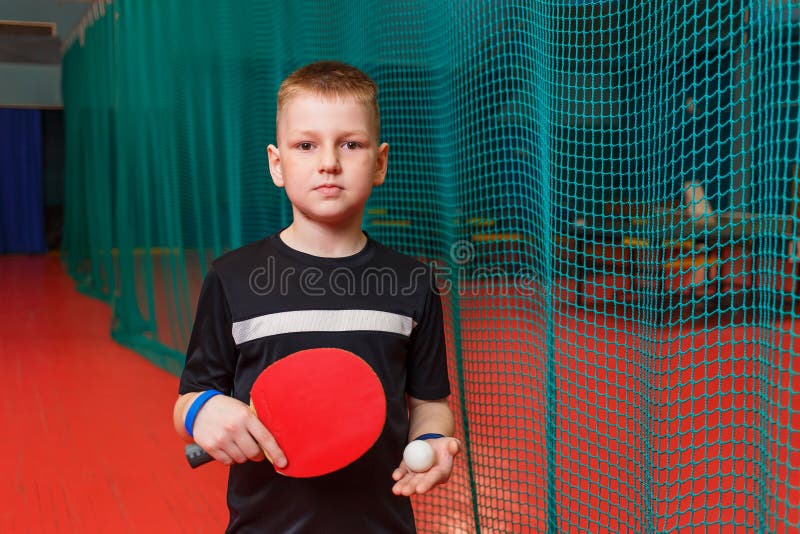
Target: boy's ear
(275,165)
(381,164)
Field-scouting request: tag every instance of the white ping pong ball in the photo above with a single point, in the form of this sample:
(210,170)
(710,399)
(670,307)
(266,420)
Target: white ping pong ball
(418,456)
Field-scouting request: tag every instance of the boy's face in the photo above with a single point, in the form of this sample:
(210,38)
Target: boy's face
(328,158)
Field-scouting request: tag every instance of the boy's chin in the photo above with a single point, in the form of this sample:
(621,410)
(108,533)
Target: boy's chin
(339,218)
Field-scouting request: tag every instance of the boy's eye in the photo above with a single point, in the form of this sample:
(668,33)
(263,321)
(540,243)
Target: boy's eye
(352,145)
(305,146)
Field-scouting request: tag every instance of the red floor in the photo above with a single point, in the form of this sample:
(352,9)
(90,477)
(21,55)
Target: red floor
(88,442)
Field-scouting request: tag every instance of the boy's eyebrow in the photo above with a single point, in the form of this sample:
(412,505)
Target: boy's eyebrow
(312,133)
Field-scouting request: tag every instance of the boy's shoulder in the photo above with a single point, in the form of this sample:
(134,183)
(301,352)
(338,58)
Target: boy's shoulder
(391,256)
(242,256)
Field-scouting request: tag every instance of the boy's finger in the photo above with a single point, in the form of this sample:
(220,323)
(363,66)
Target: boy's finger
(222,457)
(237,453)
(423,487)
(250,448)
(221,452)
(454,446)
(267,443)
(406,485)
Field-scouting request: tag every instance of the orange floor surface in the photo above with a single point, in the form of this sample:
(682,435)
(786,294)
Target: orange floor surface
(87,439)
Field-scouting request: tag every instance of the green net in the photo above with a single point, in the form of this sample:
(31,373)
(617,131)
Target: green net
(608,189)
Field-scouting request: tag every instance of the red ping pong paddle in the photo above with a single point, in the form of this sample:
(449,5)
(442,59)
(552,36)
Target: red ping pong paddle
(325,407)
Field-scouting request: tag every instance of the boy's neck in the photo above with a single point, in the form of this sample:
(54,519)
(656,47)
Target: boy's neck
(324,241)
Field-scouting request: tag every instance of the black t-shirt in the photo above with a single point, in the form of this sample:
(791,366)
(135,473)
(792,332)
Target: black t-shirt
(264,301)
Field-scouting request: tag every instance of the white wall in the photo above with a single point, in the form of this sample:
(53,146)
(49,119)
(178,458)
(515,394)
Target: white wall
(30,85)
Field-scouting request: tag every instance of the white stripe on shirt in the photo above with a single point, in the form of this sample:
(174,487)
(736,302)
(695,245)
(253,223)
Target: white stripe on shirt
(274,324)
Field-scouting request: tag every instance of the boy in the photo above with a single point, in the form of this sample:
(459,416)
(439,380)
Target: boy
(328,159)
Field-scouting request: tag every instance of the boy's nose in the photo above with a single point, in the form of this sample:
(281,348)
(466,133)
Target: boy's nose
(329,161)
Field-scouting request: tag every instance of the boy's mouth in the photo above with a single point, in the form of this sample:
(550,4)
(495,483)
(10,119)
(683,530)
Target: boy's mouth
(328,188)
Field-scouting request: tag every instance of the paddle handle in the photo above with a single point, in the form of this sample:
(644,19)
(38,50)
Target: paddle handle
(196,456)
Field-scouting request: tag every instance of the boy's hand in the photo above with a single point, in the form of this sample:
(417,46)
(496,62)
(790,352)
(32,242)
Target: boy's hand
(408,482)
(229,431)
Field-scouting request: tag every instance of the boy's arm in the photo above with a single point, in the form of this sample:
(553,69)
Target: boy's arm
(224,426)
(428,417)
(227,429)
(179,414)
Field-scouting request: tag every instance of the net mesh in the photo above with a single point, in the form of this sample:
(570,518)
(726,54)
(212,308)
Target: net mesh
(608,190)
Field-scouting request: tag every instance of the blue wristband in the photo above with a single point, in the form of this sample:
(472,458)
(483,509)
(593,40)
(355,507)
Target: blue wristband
(198,403)
(423,437)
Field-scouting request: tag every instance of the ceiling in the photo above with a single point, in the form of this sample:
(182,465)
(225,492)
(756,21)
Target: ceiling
(20,46)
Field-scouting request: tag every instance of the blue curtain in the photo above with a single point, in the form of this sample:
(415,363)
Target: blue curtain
(21,197)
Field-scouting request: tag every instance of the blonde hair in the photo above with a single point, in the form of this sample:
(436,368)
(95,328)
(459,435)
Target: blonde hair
(331,79)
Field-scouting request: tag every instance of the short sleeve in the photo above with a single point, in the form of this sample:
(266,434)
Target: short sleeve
(427,356)
(211,354)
